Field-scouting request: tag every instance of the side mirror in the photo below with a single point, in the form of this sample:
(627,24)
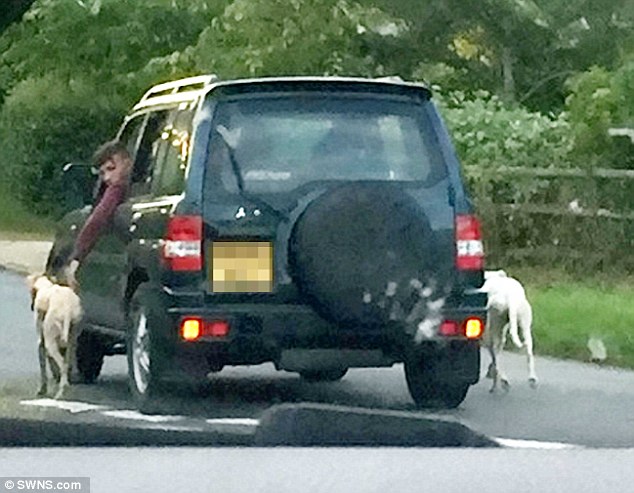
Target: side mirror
(79,181)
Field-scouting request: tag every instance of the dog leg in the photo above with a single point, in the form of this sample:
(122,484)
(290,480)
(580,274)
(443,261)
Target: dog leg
(71,351)
(54,369)
(495,337)
(487,341)
(513,324)
(64,374)
(525,324)
(491,370)
(54,352)
(41,350)
(69,355)
(500,377)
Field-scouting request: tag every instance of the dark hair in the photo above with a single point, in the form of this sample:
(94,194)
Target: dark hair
(108,150)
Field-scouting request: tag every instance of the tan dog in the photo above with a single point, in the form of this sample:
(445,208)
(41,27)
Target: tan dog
(57,313)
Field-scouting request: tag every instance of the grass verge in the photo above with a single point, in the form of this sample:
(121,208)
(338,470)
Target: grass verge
(18,223)
(568,311)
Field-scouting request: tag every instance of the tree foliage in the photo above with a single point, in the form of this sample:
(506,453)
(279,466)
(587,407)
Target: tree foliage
(69,71)
(600,100)
(274,37)
(522,50)
(70,68)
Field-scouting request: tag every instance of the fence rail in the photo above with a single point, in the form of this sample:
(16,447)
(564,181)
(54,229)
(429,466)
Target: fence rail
(578,218)
(560,172)
(566,211)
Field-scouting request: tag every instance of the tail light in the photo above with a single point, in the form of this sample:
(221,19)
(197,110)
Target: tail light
(216,328)
(469,249)
(193,328)
(449,328)
(473,328)
(182,248)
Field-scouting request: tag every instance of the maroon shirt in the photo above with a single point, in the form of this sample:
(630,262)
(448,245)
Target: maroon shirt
(100,217)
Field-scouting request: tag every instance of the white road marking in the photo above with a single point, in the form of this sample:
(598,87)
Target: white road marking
(244,426)
(233,421)
(533,444)
(237,425)
(137,416)
(71,406)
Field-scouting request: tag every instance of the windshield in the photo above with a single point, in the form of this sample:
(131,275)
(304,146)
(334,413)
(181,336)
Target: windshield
(280,143)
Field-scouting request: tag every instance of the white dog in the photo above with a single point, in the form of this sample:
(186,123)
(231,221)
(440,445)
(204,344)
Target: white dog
(508,310)
(57,312)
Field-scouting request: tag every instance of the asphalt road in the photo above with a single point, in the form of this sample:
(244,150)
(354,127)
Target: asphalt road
(579,404)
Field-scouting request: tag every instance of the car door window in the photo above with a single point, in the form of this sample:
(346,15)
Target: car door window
(131,133)
(147,152)
(172,155)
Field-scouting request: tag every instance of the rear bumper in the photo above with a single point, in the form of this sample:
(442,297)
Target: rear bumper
(295,338)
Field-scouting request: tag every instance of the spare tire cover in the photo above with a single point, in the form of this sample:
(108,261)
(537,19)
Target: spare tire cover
(358,248)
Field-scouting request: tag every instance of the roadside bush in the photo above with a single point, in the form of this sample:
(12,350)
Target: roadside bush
(46,123)
(490,136)
(530,220)
(487,133)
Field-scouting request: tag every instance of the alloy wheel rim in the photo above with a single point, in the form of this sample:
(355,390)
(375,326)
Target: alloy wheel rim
(141,354)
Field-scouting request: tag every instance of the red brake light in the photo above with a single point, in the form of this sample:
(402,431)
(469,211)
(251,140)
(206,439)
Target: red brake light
(449,328)
(216,328)
(193,328)
(182,248)
(472,328)
(469,248)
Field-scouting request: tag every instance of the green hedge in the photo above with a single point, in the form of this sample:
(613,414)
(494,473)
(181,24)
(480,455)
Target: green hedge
(46,123)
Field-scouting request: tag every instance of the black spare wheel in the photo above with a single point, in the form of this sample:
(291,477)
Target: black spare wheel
(355,250)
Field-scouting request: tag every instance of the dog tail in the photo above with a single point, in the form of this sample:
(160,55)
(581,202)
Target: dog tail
(513,323)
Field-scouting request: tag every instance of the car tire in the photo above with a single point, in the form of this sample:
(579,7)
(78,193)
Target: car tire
(89,356)
(145,353)
(332,375)
(427,389)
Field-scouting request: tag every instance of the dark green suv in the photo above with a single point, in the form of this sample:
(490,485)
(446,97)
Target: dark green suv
(319,223)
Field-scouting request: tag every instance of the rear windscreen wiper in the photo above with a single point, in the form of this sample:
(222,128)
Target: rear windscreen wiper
(230,140)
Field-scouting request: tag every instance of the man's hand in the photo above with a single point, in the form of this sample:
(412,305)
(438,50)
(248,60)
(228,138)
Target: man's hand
(73,266)
(70,274)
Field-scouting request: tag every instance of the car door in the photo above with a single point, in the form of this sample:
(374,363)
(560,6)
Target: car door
(103,272)
(148,214)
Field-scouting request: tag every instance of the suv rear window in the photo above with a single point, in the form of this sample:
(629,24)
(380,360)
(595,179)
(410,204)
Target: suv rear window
(281,143)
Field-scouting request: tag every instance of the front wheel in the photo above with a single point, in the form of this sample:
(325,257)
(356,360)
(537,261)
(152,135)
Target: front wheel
(145,355)
(428,389)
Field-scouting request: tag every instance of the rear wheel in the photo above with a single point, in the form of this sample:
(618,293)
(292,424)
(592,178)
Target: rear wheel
(89,356)
(331,375)
(427,388)
(144,352)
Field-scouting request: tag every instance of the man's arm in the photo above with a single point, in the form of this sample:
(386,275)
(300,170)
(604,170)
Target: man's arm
(99,218)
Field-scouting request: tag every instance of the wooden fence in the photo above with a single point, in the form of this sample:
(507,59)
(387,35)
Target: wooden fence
(573,218)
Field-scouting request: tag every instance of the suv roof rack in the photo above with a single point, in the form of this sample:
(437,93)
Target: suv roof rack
(178,86)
